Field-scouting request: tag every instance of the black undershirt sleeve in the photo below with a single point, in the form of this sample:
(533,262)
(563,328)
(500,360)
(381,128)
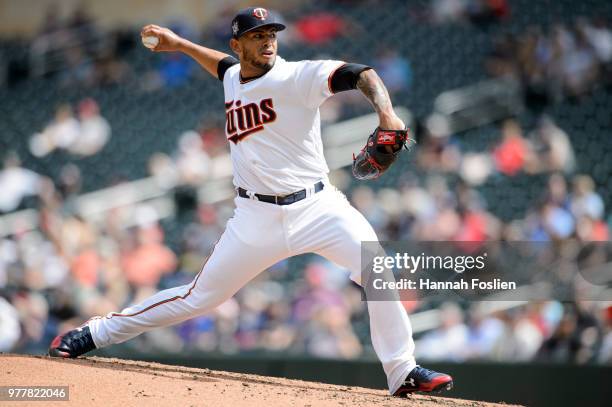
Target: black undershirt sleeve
(346,77)
(224,65)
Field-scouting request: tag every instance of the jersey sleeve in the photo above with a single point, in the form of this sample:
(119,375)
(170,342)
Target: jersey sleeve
(225,64)
(313,80)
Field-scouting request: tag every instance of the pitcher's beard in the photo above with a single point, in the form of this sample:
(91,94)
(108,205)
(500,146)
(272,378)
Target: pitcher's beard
(264,66)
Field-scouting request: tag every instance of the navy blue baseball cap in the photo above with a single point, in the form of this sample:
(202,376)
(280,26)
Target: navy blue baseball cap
(251,18)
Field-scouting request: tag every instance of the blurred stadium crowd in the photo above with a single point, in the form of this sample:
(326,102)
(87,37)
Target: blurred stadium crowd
(87,108)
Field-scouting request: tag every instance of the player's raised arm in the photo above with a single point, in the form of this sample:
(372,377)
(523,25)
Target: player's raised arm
(171,42)
(373,88)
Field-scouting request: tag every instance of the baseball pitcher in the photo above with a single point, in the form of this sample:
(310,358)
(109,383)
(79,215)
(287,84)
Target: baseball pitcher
(285,204)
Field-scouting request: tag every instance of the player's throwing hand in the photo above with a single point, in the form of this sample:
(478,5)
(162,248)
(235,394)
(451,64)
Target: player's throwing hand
(168,40)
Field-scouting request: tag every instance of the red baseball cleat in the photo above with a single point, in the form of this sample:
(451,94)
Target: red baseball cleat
(425,380)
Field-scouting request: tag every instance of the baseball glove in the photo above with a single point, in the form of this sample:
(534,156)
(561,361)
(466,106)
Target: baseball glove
(380,152)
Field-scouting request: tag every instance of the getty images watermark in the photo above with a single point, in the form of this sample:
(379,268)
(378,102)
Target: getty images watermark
(411,264)
(506,271)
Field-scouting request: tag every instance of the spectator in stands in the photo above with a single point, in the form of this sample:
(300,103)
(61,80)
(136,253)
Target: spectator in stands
(587,206)
(592,230)
(94,130)
(446,221)
(585,201)
(175,70)
(513,151)
(198,239)
(278,333)
(146,259)
(9,326)
(450,340)
(599,36)
(331,335)
(439,150)
(315,292)
(364,200)
(501,61)
(521,337)
(213,138)
(563,62)
(480,12)
(33,311)
(60,133)
(84,136)
(86,263)
(192,162)
(476,224)
(553,220)
(162,168)
(575,339)
(320,28)
(419,205)
(552,149)
(16,183)
(323,316)
(485,330)
(475,168)
(579,66)
(254,301)
(69,187)
(556,192)
(445,11)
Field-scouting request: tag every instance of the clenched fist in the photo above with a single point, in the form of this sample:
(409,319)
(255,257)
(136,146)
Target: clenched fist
(168,40)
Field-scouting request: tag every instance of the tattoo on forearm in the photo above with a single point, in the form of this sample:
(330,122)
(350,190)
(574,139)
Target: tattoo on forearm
(370,84)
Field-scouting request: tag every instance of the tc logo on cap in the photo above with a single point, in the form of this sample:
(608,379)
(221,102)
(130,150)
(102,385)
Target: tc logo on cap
(260,13)
(235,27)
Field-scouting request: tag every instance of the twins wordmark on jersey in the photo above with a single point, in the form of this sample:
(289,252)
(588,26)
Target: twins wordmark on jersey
(244,120)
(273,125)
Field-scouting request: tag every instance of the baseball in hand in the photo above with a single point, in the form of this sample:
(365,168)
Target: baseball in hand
(150,41)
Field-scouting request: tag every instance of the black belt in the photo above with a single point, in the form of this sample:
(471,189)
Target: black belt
(281,200)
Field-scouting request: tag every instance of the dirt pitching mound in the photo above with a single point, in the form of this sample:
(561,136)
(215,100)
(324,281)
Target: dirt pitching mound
(113,382)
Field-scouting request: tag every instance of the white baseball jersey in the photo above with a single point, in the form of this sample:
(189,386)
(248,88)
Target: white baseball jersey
(273,125)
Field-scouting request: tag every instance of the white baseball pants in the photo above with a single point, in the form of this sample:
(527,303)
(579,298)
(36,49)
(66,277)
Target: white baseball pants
(259,235)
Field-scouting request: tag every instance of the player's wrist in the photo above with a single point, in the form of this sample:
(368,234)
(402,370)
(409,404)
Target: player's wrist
(183,45)
(388,120)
